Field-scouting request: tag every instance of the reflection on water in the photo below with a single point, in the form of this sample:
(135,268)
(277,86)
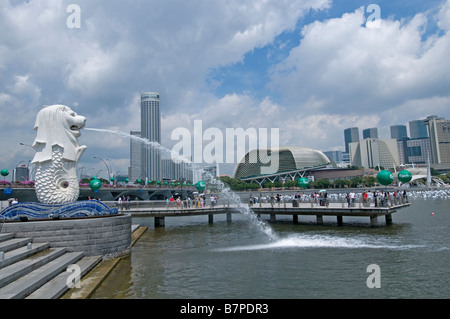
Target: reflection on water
(193,259)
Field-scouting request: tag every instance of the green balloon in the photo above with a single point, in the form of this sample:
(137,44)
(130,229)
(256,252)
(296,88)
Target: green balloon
(303,182)
(404,176)
(5,172)
(126,180)
(95,184)
(200,186)
(385,177)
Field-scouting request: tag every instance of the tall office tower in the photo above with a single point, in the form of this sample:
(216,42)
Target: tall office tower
(370,133)
(398,132)
(135,169)
(335,156)
(373,152)
(176,171)
(21,173)
(417,129)
(415,150)
(439,131)
(350,135)
(151,130)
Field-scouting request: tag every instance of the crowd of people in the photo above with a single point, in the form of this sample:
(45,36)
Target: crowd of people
(198,201)
(383,198)
(379,198)
(124,202)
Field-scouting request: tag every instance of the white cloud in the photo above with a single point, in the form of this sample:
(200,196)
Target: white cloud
(444,16)
(341,74)
(340,64)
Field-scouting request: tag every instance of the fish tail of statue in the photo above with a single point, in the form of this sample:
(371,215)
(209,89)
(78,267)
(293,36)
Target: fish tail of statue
(57,154)
(56,180)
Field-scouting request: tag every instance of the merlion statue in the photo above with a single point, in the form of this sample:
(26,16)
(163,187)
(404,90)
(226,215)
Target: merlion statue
(57,154)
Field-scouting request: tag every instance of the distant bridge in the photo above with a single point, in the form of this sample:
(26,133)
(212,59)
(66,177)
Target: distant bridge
(27,194)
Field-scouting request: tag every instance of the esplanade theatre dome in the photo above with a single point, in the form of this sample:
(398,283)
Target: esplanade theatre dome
(289,159)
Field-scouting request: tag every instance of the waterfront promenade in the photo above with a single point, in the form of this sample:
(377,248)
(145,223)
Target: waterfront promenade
(337,210)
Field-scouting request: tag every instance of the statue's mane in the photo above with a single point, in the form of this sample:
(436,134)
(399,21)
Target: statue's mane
(52,129)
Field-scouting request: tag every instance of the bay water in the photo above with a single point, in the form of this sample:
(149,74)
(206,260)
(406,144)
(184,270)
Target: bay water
(191,259)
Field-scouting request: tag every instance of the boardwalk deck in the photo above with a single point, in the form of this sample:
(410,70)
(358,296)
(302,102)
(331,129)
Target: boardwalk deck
(306,209)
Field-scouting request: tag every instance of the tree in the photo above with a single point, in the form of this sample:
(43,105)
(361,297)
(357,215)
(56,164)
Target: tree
(290,184)
(269,185)
(322,183)
(237,184)
(355,181)
(369,181)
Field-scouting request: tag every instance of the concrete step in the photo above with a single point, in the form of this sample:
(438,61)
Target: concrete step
(6,236)
(56,287)
(18,254)
(21,268)
(14,243)
(28,283)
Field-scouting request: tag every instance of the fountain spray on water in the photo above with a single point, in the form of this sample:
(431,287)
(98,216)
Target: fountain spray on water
(293,240)
(225,191)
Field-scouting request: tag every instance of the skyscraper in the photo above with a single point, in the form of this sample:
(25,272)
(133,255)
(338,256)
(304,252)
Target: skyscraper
(150,130)
(417,129)
(373,152)
(439,131)
(350,135)
(135,169)
(398,132)
(370,133)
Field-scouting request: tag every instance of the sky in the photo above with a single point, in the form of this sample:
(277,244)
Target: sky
(308,68)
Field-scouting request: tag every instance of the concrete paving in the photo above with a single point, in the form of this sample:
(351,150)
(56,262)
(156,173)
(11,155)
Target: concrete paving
(96,276)
(36,271)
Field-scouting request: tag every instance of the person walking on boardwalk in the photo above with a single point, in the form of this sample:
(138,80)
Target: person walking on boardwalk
(352,198)
(212,200)
(127,203)
(119,201)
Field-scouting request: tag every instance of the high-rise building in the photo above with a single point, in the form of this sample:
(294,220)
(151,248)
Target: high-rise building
(150,130)
(417,129)
(350,135)
(21,173)
(210,171)
(373,152)
(135,169)
(181,171)
(398,132)
(439,132)
(370,133)
(335,156)
(415,150)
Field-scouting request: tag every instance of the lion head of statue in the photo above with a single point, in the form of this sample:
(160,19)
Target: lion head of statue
(58,125)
